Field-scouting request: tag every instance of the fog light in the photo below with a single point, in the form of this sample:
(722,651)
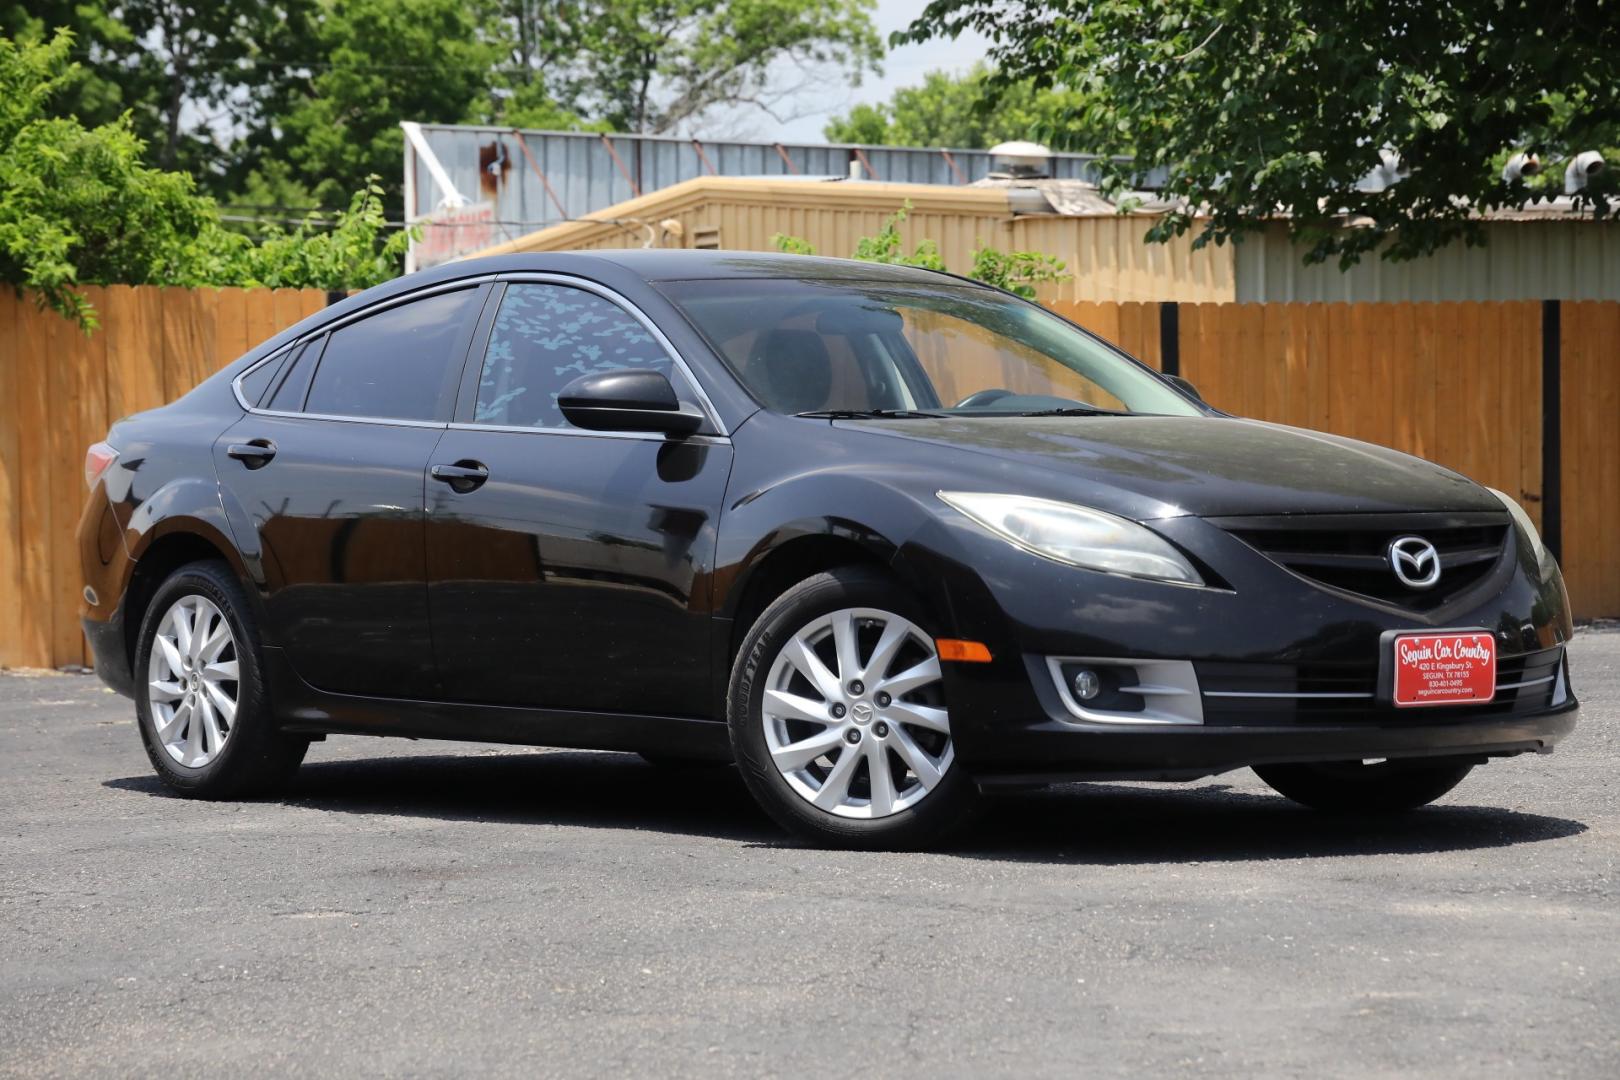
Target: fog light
(1086,684)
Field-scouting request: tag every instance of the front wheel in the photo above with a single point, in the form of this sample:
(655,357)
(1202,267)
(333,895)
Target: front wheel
(838,717)
(1356,787)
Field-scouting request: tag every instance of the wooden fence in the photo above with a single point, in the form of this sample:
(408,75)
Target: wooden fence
(60,389)
(1467,385)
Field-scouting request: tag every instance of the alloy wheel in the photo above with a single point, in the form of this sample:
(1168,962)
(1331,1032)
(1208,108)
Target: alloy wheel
(193,681)
(854,714)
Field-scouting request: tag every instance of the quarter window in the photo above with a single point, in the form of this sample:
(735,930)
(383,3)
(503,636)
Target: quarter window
(546,336)
(399,364)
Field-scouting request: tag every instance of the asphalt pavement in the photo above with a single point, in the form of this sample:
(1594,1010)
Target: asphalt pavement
(429,909)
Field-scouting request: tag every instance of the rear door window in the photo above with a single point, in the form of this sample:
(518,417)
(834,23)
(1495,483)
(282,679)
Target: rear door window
(400,364)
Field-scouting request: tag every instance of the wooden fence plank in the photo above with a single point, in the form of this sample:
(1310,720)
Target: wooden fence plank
(90,426)
(34,485)
(11,521)
(289,307)
(132,321)
(230,327)
(1529,350)
(261,316)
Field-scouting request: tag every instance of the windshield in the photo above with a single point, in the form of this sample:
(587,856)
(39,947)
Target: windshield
(842,347)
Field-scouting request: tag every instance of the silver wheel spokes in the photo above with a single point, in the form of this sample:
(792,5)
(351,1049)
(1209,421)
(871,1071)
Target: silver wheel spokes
(855,714)
(193,681)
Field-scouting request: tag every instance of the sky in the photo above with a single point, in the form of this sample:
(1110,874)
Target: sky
(905,66)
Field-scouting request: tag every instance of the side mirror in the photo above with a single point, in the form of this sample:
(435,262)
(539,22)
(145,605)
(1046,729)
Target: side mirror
(629,400)
(1187,388)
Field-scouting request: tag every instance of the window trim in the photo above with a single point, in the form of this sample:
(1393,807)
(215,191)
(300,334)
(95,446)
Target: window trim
(477,283)
(462,419)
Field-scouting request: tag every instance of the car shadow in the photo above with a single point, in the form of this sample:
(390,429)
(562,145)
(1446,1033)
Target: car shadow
(1124,824)
(1097,823)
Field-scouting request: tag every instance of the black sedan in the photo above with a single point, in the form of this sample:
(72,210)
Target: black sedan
(883,537)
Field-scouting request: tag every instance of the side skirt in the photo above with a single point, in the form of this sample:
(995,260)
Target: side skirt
(306,709)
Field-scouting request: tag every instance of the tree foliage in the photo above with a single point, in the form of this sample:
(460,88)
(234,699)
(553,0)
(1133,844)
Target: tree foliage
(79,206)
(1017,272)
(655,65)
(291,103)
(188,74)
(971,111)
(383,61)
(1267,108)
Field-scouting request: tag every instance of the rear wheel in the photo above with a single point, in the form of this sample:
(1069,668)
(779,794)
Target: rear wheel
(1355,787)
(204,711)
(838,716)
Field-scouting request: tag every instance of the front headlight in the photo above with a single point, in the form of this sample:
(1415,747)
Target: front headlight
(1526,526)
(1076,535)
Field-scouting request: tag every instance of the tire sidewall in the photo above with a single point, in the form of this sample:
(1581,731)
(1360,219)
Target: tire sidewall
(944,808)
(253,744)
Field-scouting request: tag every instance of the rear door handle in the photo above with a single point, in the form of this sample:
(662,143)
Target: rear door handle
(463,476)
(255,454)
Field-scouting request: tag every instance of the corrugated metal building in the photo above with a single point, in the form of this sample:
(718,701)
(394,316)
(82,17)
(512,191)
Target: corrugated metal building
(531,179)
(1527,257)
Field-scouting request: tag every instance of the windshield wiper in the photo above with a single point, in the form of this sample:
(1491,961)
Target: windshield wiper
(871,414)
(1073,410)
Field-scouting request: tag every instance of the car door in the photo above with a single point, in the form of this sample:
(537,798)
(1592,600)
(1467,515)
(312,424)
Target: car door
(572,570)
(330,474)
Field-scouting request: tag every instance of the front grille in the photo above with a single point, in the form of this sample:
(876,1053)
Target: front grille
(1356,559)
(1244,694)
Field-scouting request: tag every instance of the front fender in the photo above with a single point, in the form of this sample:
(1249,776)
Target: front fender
(879,514)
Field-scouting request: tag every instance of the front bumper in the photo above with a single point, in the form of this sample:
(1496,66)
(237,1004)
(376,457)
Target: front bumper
(1273,655)
(1051,752)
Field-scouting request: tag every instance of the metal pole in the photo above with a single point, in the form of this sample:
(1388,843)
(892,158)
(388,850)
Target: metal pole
(624,172)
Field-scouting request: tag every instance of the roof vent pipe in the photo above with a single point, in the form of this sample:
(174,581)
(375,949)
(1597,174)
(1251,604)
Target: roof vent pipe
(1519,166)
(1581,169)
(1020,161)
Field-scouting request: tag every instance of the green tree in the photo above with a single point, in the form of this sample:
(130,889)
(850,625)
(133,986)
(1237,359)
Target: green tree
(383,61)
(81,207)
(968,111)
(654,65)
(193,77)
(1265,108)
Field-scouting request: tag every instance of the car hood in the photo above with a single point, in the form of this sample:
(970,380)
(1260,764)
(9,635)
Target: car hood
(1168,466)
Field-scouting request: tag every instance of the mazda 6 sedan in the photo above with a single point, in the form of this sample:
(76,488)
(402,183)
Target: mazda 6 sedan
(885,538)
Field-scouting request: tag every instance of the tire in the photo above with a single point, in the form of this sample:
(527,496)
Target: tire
(1350,787)
(237,754)
(774,702)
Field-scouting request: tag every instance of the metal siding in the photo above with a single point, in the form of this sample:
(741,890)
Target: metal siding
(1575,259)
(586,178)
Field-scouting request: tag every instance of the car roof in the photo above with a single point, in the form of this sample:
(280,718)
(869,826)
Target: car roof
(649,265)
(676,264)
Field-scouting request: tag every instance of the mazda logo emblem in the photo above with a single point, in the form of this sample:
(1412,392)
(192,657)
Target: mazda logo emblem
(1415,561)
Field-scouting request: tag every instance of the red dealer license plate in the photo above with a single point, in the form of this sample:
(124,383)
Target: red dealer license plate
(1456,668)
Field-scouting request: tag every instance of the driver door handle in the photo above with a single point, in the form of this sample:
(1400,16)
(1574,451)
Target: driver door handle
(463,476)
